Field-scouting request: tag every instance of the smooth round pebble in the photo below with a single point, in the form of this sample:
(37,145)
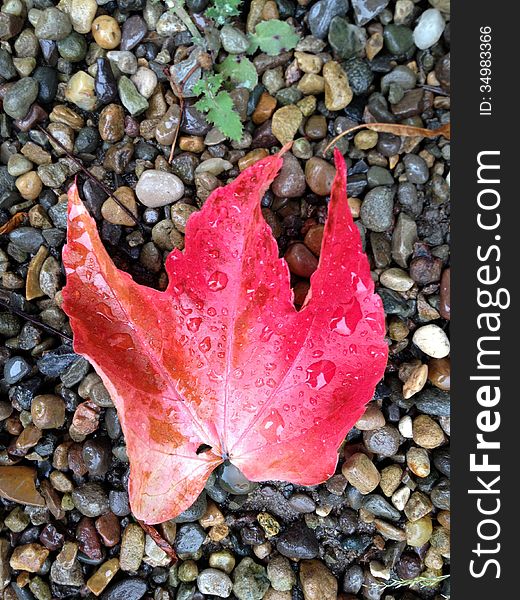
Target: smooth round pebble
(158,188)
(429,29)
(432,340)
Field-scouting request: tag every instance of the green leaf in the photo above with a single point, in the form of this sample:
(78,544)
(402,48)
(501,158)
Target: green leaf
(274,36)
(210,85)
(239,70)
(221,11)
(218,106)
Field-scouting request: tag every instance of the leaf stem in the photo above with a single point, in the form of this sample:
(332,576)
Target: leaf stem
(396,129)
(159,540)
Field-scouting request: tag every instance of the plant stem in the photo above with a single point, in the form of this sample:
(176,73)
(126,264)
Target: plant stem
(177,7)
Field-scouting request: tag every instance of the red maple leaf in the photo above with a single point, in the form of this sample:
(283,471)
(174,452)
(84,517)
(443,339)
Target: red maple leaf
(222,359)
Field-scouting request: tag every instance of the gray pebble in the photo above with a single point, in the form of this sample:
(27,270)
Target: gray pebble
(90,499)
(377,208)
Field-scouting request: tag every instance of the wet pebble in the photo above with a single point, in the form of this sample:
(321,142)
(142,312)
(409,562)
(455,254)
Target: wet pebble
(377,209)
(158,188)
(20,96)
(429,29)
(215,582)
(298,542)
(90,499)
(432,340)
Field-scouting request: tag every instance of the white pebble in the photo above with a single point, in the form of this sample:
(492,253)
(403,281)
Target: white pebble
(145,80)
(432,340)
(405,427)
(158,188)
(429,29)
(401,497)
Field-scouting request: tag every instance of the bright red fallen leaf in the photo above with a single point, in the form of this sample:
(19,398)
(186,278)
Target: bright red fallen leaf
(222,359)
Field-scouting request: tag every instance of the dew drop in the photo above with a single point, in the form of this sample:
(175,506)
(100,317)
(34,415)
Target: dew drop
(205,345)
(320,373)
(193,324)
(344,320)
(217,281)
(214,253)
(104,311)
(266,334)
(121,341)
(212,312)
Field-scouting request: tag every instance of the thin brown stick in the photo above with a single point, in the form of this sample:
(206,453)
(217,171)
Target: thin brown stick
(178,90)
(435,89)
(17,311)
(159,540)
(85,171)
(396,129)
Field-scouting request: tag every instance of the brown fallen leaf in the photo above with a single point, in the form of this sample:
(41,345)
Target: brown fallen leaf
(17,484)
(159,540)
(396,129)
(13,223)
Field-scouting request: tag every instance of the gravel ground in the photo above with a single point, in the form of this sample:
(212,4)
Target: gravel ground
(92,75)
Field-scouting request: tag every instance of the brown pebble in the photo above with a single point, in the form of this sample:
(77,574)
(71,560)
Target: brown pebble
(32,282)
(316,127)
(427,433)
(313,238)
(88,539)
(106,32)
(27,439)
(29,185)
(390,479)
(109,529)
(17,485)
(191,143)
(317,582)
(251,157)
(48,411)
(103,576)
(300,290)
(113,213)
(439,370)
(112,123)
(319,175)
(212,516)
(418,461)
(52,500)
(371,419)
(218,532)
(415,381)
(290,181)
(29,557)
(300,259)
(86,418)
(360,472)
(264,109)
(75,460)
(168,125)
